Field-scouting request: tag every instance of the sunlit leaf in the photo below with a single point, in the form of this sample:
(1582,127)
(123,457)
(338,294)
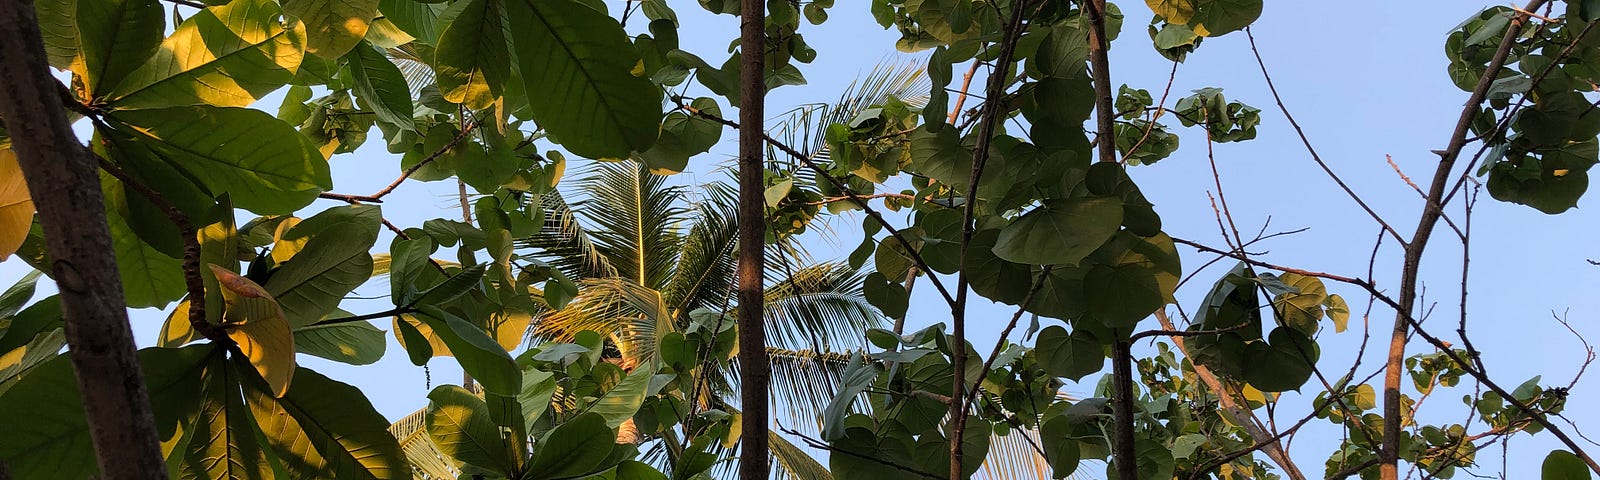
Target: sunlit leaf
(254,321)
(472,62)
(458,422)
(16,207)
(261,162)
(326,429)
(228,56)
(333,27)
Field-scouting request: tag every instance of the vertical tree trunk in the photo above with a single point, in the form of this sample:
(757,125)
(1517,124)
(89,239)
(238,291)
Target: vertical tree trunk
(66,191)
(1122,450)
(753,369)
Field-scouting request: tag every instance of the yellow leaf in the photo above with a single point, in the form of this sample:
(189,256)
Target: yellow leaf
(254,321)
(509,328)
(285,248)
(434,342)
(177,331)
(16,208)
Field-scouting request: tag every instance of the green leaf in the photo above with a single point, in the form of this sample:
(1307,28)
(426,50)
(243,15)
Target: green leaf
(577,64)
(682,137)
(479,355)
(1284,365)
(40,317)
(1060,448)
(52,439)
(458,422)
(858,375)
(1563,465)
(416,18)
(538,387)
(227,56)
(149,278)
(1301,310)
(355,343)
(1060,232)
(1208,18)
(623,400)
(325,429)
(262,163)
(114,37)
(223,441)
(15,297)
(333,27)
(472,60)
(381,86)
(572,449)
(58,30)
(332,263)
(1072,356)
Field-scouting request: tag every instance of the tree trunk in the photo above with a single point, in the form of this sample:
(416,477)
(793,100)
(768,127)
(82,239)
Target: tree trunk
(1122,449)
(753,369)
(66,191)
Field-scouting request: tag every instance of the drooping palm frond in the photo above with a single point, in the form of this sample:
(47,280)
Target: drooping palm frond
(706,267)
(566,244)
(427,462)
(632,316)
(821,307)
(805,127)
(413,67)
(636,217)
(791,462)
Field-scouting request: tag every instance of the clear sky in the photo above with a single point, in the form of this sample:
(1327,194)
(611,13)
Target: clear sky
(1364,78)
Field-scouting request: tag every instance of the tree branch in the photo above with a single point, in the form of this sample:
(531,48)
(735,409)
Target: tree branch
(65,186)
(377,197)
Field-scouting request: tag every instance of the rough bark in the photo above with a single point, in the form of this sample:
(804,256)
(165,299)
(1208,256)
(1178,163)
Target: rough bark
(66,191)
(753,369)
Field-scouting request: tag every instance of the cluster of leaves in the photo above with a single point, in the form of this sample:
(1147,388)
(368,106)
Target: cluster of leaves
(1539,153)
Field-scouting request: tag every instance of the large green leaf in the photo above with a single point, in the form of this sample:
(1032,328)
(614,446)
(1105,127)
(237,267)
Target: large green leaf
(46,435)
(1060,232)
(58,30)
(333,262)
(458,422)
(1071,355)
(1563,465)
(478,353)
(223,441)
(325,429)
(572,449)
(473,59)
(149,278)
(229,55)
(114,37)
(262,163)
(1208,18)
(577,64)
(333,27)
(622,401)
(355,343)
(381,86)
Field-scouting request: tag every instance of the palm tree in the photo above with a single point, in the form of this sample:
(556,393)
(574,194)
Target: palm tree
(645,256)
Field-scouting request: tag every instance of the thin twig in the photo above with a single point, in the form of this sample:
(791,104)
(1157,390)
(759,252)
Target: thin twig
(377,197)
(1307,142)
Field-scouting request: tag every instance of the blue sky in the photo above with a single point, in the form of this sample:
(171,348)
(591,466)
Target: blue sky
(1364,78)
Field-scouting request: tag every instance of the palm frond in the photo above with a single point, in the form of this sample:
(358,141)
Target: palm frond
(791,462)
(565,243)
(820,307)
(636,218)
(413,68)
(706,267)
(632,316)
(1014,456)
(427,462)
(805,127)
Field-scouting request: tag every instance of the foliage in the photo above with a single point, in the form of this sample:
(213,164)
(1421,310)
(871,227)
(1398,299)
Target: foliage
(621,288)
